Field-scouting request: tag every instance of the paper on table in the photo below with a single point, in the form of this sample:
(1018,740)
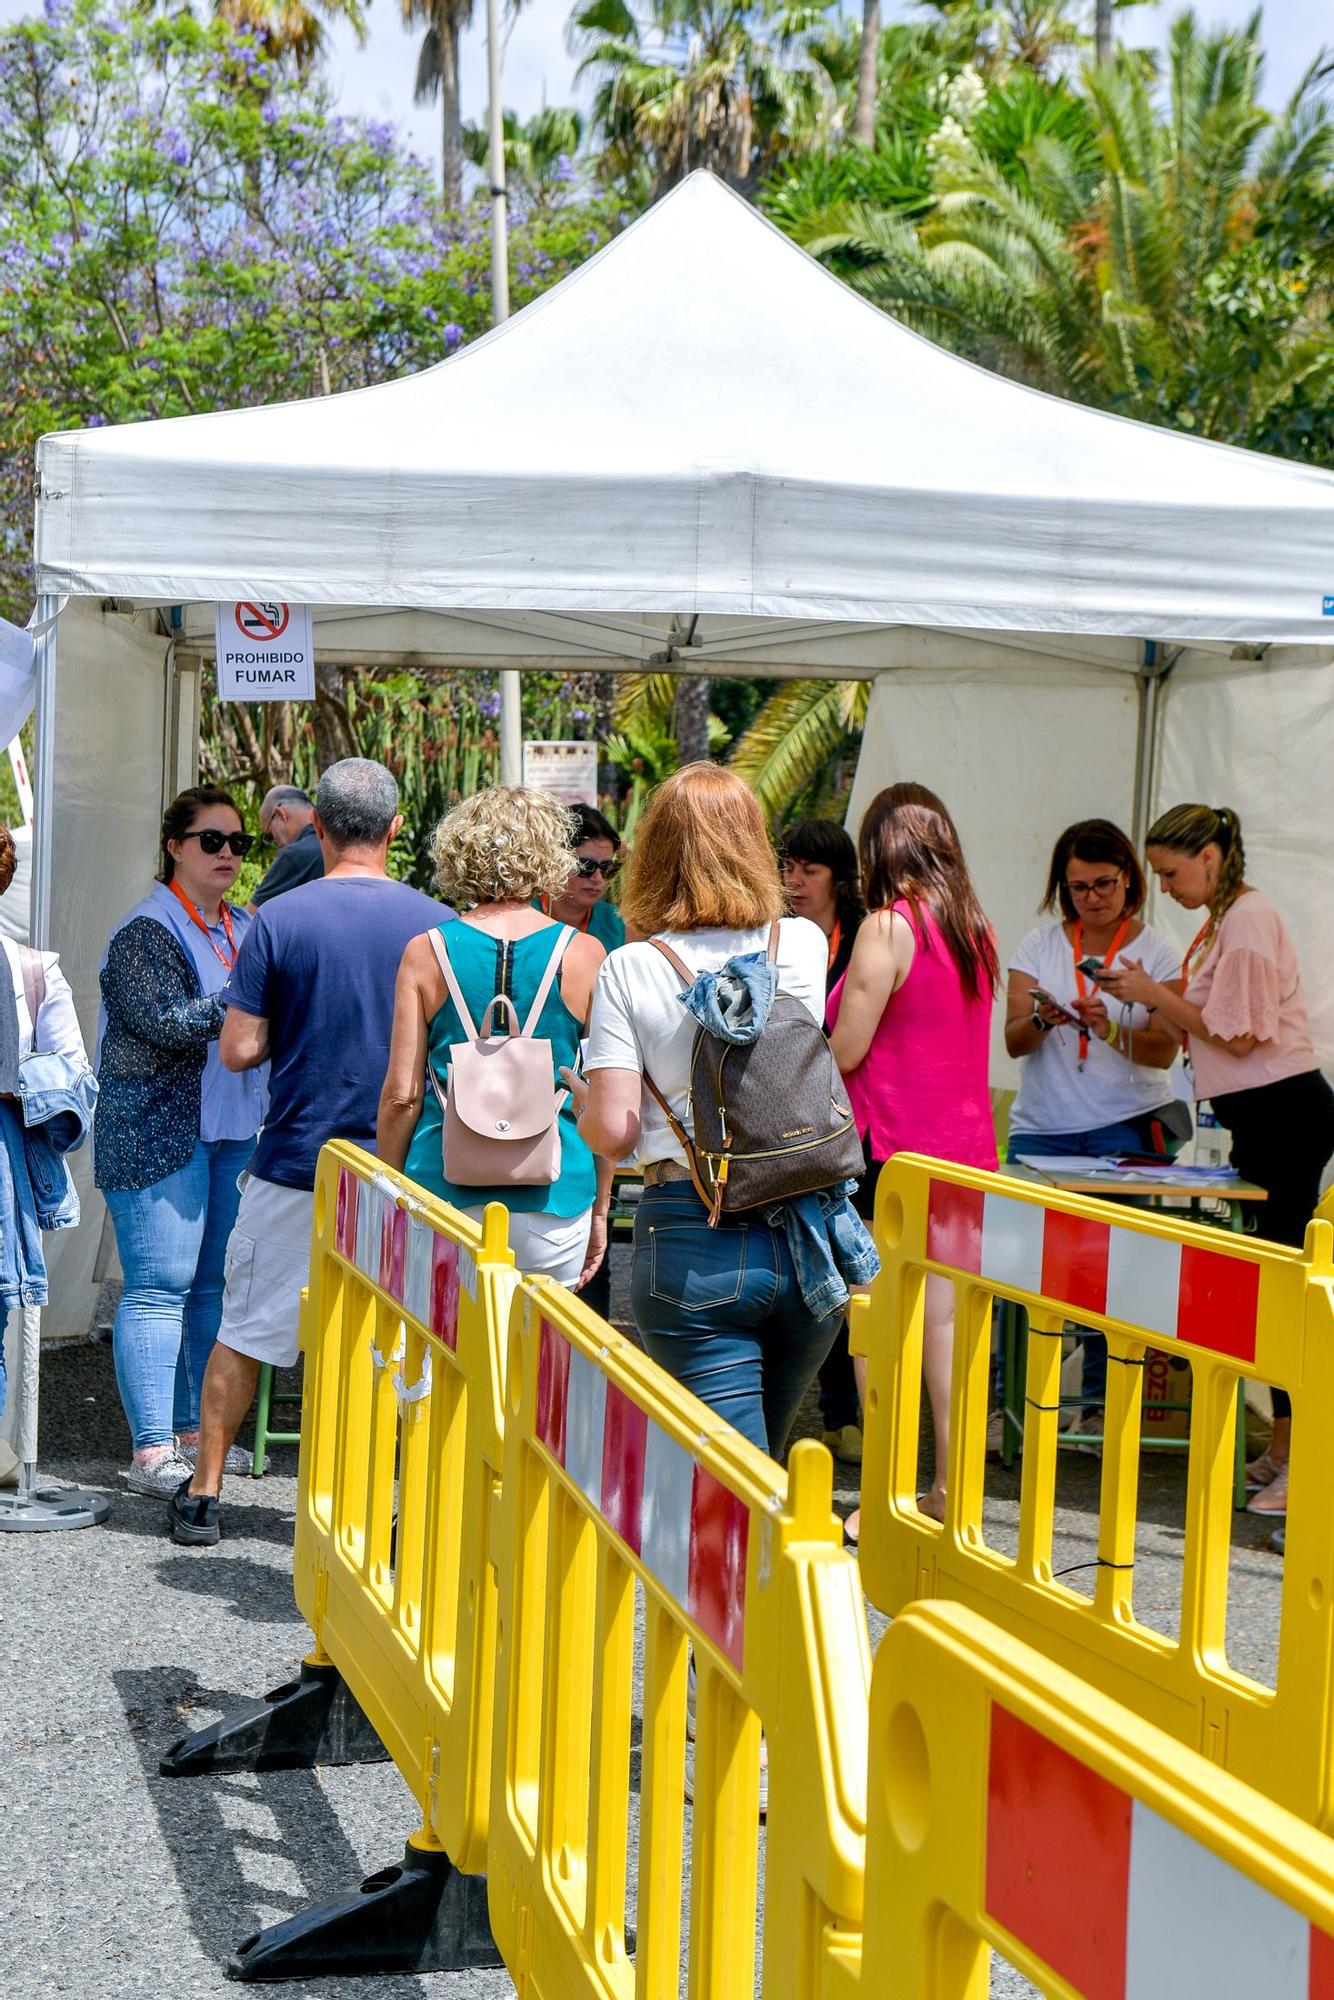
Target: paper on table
(1070,1163)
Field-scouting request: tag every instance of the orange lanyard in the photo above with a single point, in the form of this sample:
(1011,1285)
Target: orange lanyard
(1191,949)
(545,901)
(1081,985)
(197,919)
(835,940)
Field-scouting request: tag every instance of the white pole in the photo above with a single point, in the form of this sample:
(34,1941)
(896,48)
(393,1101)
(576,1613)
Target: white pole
(44,777)
(511,706)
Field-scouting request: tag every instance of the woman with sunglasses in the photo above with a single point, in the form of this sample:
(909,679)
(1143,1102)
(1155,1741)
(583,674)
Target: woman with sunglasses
(582,902)
(174,1129)
(1098,1086)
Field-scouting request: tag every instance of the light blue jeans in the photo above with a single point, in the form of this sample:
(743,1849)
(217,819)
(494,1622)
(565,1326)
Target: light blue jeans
(172,1237)
(721,1310)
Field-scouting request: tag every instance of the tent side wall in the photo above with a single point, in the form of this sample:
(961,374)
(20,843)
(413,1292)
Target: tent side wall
(1015,757)
(125,731)
(1258,735)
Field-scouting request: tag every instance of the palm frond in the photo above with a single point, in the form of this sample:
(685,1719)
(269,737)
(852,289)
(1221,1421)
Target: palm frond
(801,725)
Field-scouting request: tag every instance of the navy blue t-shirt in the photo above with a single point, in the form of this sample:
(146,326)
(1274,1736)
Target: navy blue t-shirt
(319,965)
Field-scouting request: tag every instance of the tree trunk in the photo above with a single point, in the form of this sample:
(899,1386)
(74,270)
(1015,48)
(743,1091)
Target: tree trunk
(604,721)
(1102,31)
(863,123)
(451,116)
(692,718)
(333,727)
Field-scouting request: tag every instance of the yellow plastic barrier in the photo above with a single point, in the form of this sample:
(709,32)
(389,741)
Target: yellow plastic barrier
(1234,1308)
(614,1475)
(1013,1806)
(400,1457)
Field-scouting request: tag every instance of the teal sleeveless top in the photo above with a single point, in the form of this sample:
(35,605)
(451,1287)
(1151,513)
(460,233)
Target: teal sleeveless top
(485,966)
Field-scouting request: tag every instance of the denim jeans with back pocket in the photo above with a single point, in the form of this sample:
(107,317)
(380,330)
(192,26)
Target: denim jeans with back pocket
(722,1311)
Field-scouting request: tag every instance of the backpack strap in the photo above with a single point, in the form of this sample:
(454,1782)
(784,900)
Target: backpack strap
(34,984)
(771,952)
(548,979)
(451,982)
(679,967)
(711,1201)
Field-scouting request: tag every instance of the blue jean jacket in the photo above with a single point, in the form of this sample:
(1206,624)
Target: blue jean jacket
(832,1249)
(52,1117)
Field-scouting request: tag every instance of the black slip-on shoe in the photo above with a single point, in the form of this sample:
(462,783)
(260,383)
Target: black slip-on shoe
(196,1518)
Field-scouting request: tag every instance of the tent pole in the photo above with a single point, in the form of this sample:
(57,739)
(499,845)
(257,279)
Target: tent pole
(44,777)
(1146,751)
(511,706)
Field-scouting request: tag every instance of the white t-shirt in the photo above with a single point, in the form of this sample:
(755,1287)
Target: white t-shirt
(1054,1095)
(638,1021)
(60,1033)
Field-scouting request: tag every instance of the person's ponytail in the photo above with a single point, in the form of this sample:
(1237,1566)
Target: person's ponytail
(1232,867)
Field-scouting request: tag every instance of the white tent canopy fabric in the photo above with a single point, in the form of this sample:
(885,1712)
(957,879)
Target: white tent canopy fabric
(701,420)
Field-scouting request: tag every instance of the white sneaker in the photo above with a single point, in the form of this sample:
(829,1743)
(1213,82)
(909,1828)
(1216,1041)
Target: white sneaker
(238,1459)
(160,1480)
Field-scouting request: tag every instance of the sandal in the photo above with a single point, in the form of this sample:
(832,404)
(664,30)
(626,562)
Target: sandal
(1273,1498)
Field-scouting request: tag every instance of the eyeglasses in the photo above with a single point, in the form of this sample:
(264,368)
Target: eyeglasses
(212,841)
(1103,885)
(588,868)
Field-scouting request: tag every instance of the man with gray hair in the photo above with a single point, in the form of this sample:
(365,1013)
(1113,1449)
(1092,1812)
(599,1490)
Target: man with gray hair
(287,818)
(311,994)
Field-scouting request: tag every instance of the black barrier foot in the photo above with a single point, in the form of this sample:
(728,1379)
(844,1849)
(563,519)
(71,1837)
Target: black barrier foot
(421,1917)
(313,1720)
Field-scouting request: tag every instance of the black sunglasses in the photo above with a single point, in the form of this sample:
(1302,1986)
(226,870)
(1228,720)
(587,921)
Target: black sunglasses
(212,841)
(588,869)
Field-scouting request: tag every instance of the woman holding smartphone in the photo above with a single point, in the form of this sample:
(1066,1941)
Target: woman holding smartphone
(1237,1001)
(1092,1078)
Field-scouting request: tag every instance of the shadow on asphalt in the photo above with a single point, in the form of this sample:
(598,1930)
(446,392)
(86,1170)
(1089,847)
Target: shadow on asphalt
(209,1827)
(238,1582)
(147,1519)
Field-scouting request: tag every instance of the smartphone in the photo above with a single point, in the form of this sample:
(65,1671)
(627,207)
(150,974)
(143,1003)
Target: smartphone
(1042,998)
(1092,968)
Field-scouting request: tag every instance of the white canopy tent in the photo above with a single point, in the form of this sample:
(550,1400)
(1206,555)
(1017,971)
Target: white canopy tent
(702,451)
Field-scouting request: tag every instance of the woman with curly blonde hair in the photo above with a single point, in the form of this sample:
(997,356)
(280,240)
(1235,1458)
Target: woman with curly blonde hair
(494,854)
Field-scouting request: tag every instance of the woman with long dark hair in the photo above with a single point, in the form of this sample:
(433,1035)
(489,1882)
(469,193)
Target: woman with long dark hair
(1240,1008)
(911,1026)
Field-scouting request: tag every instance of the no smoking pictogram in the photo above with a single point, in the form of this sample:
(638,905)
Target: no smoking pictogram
(262,622)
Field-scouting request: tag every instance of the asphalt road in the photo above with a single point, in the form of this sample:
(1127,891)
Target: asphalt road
(117,1883)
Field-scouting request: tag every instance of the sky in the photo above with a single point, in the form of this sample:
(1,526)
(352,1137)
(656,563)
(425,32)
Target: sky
(376,80)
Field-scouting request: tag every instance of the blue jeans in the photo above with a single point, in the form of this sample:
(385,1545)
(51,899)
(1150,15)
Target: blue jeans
(1105,1139)
(172,1237)
(721,1310)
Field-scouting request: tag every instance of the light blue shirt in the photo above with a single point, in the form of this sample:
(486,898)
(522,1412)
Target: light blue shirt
(231,1106)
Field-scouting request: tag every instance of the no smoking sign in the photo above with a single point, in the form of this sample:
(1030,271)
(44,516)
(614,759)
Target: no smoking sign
(264,651)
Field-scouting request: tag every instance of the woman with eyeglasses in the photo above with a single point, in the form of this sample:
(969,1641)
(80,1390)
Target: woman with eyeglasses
(174,1129)
(1092,1072)
(583,903)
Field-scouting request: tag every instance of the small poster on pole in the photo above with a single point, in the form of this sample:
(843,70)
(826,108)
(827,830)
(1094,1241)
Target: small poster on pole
(569,771)
(265,652)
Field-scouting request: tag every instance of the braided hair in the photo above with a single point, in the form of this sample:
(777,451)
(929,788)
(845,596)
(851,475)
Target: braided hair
(1189,829)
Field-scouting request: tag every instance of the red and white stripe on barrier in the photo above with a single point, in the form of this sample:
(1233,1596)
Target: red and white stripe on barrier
(1121,1903)
(689,1532)
(400,1252)
(1176,1290)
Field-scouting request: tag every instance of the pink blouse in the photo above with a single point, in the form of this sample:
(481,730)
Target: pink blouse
(922,1085)
(1250,985)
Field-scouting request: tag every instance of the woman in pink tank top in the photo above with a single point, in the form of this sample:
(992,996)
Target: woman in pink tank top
(911,1028)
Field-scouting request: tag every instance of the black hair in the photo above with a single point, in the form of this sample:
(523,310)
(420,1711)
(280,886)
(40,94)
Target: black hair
(590,824)
(1093,840)
(830,846)
(181,815)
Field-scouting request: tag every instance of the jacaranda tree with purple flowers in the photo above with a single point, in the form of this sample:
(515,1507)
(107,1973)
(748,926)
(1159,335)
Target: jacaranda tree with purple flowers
(186,224)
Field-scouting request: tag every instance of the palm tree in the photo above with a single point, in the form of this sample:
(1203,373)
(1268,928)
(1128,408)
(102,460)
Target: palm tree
(1152,272)
(797,748)
(539,156)
(438,75)
(703,83)
(291,32)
